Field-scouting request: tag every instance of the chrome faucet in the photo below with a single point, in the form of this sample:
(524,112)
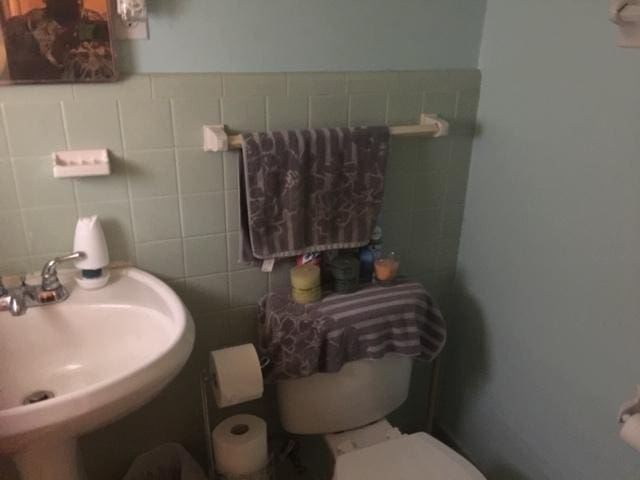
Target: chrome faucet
(50,282)
(17,300)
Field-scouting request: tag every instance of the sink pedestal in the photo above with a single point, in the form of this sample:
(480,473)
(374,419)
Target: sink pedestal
(105,353)
(53,460)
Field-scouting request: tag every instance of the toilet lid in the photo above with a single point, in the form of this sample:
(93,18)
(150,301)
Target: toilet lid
(410,457)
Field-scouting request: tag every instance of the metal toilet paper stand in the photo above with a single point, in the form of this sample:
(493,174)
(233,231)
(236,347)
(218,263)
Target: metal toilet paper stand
(207,381)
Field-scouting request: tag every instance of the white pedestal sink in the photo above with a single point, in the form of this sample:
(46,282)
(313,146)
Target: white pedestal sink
(101,354)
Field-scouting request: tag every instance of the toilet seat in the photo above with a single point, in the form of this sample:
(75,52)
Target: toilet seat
(408,457)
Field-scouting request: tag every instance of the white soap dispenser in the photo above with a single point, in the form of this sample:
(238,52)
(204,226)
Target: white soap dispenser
(89,238)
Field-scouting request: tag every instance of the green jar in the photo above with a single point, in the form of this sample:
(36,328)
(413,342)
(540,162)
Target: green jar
(345,270)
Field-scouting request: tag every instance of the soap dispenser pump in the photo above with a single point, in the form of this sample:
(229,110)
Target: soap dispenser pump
(89,239)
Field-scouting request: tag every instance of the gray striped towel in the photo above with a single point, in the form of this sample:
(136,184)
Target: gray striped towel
(310,190)
(304,339)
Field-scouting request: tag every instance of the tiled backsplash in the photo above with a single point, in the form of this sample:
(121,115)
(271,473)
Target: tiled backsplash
(172,209)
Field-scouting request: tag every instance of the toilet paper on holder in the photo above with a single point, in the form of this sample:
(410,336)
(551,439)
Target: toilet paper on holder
(236,374)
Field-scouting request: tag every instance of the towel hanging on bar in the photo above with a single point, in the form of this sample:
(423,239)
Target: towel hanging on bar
(310,190)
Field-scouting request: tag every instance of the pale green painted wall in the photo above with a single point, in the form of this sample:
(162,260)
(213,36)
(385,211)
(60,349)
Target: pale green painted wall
(172,209)
(309,35)
(545,345)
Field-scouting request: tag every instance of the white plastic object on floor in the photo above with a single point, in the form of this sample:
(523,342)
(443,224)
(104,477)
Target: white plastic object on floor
(81,163)
(626,14)
(409,457)
(167,462)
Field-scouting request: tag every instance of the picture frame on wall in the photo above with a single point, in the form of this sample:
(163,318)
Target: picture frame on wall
(56,41)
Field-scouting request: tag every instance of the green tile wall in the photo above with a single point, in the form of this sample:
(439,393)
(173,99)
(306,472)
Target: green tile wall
(171,208)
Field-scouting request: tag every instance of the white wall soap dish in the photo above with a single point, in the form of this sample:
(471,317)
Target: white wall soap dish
(81,163)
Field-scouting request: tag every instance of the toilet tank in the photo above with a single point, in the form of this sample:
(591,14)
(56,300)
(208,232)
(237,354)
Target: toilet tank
(362,392)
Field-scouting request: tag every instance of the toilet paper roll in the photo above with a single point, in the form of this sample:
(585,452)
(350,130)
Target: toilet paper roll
(630,431)
(237,375)
(240,445)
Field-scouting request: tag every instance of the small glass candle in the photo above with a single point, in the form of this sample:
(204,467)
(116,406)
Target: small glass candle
(346,272)
(386,267)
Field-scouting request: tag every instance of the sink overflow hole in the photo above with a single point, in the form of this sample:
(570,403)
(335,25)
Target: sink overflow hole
(37,396)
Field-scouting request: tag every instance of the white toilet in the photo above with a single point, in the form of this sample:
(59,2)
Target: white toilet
(349,409)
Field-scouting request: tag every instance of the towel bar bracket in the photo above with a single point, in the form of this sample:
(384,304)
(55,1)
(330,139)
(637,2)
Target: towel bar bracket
(216,138)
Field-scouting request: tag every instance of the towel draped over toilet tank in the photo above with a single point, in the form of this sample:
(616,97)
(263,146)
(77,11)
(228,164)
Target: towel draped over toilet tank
(301,340)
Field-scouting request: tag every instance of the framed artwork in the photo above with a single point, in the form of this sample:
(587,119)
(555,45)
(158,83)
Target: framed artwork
(56,41)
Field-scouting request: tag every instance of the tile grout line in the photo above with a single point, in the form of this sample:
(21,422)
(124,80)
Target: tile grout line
(15,186)
(129,193)
(445,194)
(74,182)
(450,165)
(267,108)
(224,186)
(387,108)
(152,89)
(227,235)
(126,173)
(179,193)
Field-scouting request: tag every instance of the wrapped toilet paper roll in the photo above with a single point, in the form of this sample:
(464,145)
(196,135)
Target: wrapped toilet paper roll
(630,431)
(240,445)
(238,377)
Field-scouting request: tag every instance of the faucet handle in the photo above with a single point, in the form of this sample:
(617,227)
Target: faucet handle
(50,274)
(17,305)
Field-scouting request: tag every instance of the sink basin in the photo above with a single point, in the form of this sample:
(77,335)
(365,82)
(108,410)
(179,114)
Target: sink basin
(85,362)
